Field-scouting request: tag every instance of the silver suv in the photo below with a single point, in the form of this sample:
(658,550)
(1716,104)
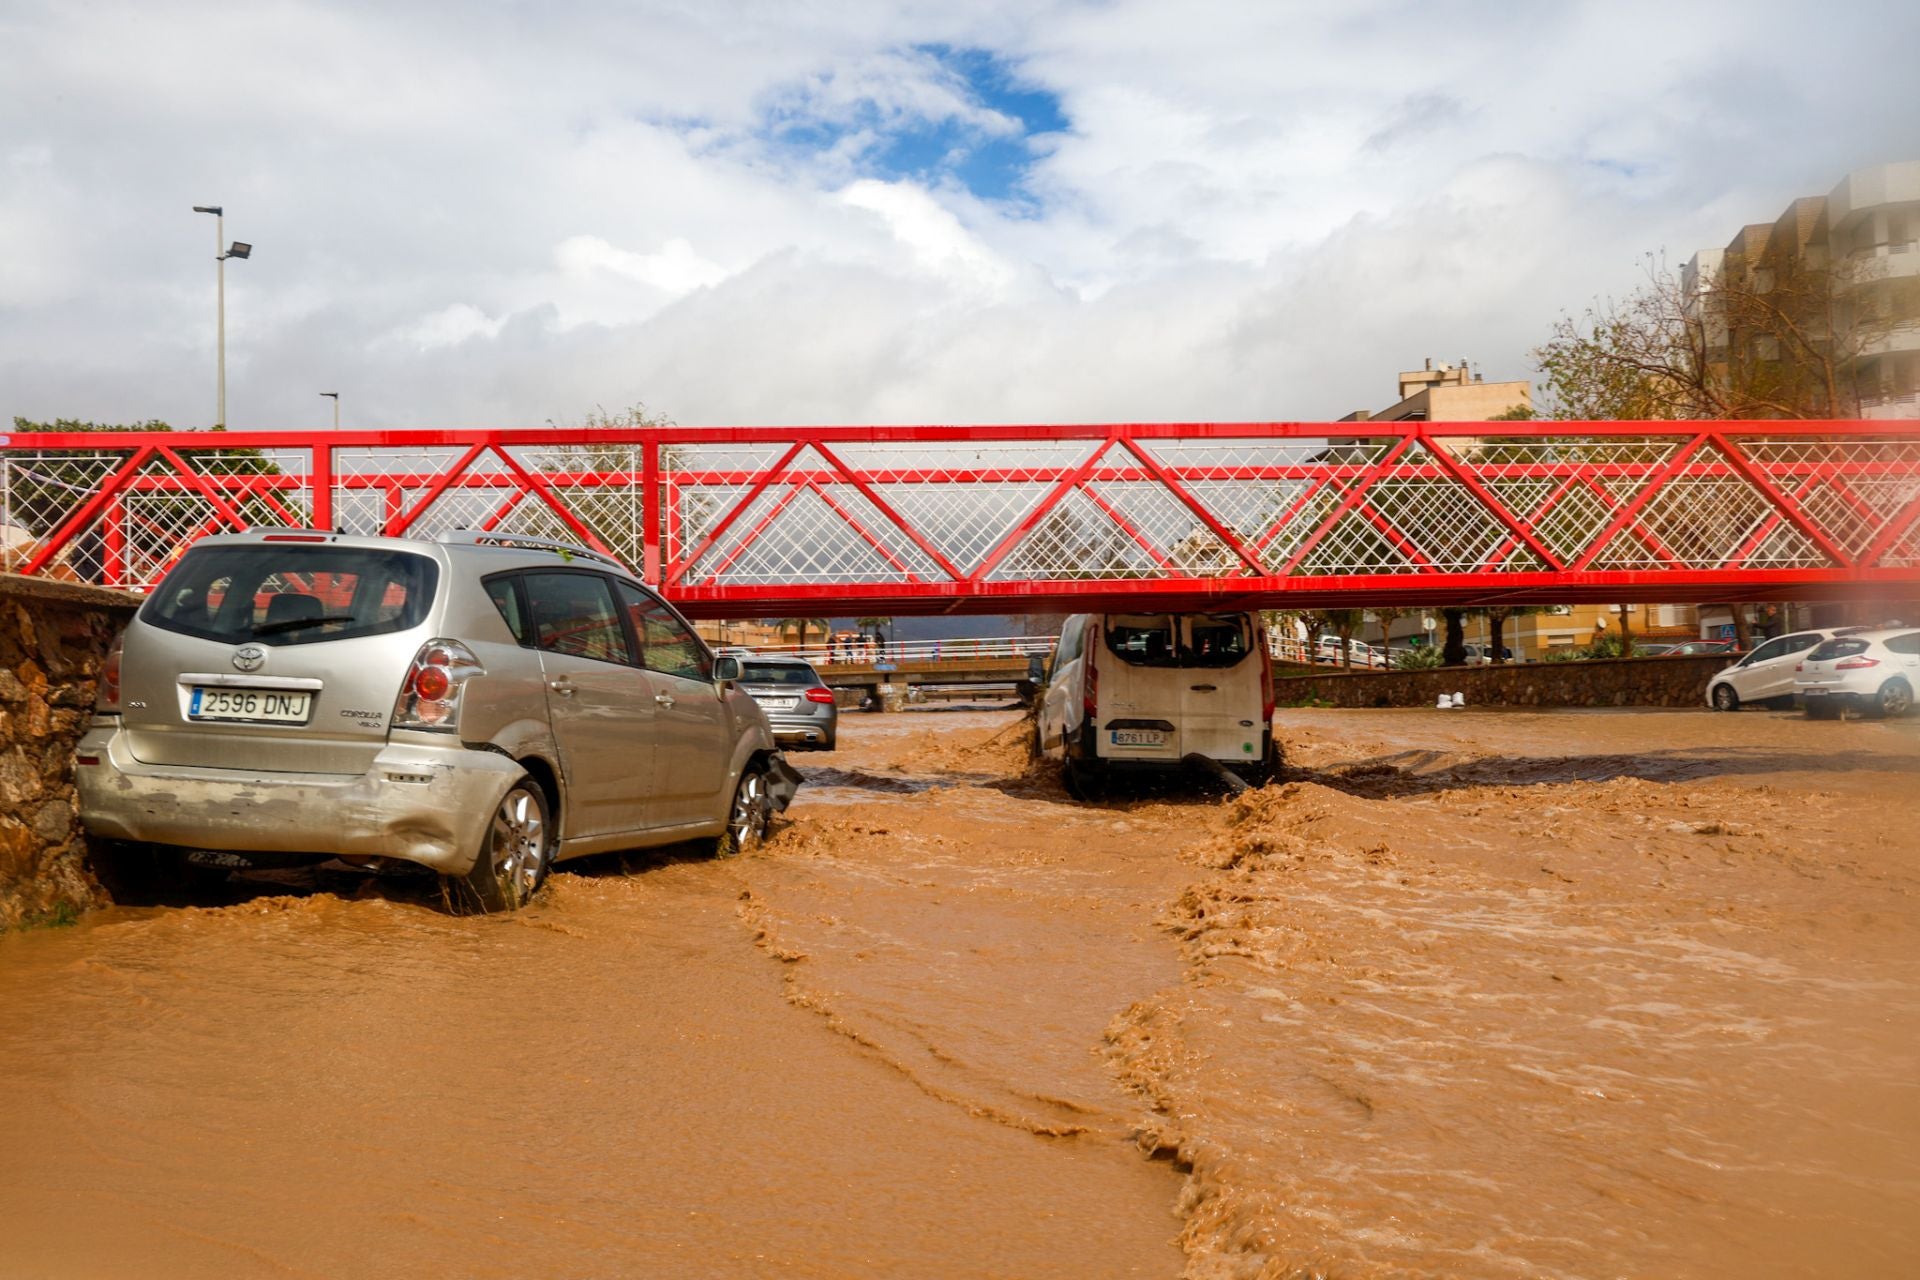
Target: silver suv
(481,706)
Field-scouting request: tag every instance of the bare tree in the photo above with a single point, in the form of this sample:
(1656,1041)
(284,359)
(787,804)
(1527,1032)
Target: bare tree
(1779,336)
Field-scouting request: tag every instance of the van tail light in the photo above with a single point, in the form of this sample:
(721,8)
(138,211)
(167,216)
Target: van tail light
(819,693)
(106,696)
(1090,698)
(1799,666)
(436,681)
(1266,682)
(1855,664)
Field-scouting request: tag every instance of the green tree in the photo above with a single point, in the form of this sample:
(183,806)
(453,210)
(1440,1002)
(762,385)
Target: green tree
(1454,652)
(1344,623)
(1497,619)
(1386,618)
(798,627)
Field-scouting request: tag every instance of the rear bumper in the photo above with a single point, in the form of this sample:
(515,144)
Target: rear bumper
(1257,749)
(1835,693)
(421,803)
(804,729)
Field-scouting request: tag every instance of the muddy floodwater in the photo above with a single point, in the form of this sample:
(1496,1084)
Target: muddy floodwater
(1468,993)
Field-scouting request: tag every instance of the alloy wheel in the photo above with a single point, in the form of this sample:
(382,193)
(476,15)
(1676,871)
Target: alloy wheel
(1895,698)
(747,822)
(517,844)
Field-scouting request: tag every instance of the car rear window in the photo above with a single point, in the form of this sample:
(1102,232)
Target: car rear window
(1171,640)
(778,673)
(292,593)
(1828,650)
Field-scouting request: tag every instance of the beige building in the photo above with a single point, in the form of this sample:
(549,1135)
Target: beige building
(1844,268)
(1450,393)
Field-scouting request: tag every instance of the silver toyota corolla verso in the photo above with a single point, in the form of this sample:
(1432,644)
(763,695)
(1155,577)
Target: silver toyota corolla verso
(482,706)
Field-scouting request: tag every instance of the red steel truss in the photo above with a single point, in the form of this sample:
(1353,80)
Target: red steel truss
(755,521)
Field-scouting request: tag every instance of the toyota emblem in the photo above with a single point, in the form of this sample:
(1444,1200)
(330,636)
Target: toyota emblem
(249,657)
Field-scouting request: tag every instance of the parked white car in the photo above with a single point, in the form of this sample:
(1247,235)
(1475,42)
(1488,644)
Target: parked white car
(1365,656)
(1871,671)
(1765,675)
(1139,690)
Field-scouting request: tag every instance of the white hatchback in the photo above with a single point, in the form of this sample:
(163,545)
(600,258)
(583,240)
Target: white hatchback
(1871,671)
(1765,675)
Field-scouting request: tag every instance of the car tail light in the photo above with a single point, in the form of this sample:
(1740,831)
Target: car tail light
(436,680)
(1799,666)
(1855,664)
(818,693)
(107,693)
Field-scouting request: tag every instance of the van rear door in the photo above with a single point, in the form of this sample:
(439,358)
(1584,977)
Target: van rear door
(1141,687)
(1220,687)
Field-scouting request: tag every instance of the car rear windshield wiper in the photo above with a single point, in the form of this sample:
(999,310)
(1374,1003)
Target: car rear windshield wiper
(300,624)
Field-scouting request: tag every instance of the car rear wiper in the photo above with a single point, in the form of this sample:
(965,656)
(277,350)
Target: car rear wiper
(300,624)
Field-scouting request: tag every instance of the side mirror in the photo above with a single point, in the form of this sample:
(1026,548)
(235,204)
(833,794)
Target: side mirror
(725,669)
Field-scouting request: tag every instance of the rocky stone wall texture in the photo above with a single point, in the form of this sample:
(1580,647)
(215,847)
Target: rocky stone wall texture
(1617,682)
(53,636)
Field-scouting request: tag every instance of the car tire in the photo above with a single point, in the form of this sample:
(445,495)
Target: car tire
(749,815)
(1894,699)
(1083,774)
(132,872)
(1723,698)
(515,854)
(1085,780)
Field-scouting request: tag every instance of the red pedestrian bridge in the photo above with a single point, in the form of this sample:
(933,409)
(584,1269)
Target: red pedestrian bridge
(778,521)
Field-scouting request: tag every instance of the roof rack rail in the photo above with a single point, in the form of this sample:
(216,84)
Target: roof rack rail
(521,541)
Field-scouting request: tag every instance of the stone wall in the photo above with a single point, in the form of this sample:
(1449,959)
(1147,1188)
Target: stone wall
(53,636)
(1616,682)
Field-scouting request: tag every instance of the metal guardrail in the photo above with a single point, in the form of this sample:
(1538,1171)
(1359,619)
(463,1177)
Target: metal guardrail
(912,652)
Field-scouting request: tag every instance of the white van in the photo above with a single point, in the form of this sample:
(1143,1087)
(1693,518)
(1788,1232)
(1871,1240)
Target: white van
(1146,689)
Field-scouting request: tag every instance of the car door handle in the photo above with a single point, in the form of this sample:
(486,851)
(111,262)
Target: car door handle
(664,699)
(1204,688)
(563,686)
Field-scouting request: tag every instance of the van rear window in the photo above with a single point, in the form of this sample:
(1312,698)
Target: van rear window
(1179,640)
(284,594)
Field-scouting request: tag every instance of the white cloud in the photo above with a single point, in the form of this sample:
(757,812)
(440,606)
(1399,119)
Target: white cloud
(675,269)
(939,244)
(450,326)
(498,215)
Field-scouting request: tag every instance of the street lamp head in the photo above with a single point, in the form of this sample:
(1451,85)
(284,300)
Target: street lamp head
(240,249)
(331,394)
(213,209)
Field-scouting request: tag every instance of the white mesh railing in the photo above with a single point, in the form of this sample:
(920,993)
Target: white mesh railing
(818,510)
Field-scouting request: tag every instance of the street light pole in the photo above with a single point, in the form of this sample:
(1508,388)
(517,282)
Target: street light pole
(335,397)
(239,250)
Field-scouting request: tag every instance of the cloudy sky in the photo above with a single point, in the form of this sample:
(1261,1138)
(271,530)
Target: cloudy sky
(499,214)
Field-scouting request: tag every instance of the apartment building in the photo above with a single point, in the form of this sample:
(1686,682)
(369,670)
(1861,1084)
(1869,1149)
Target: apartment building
(1818,311)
